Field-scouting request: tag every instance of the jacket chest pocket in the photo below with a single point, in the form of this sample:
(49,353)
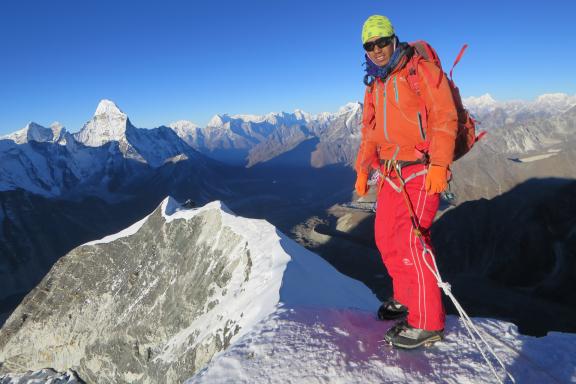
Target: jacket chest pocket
(404,98)
(406,103)
(403,109)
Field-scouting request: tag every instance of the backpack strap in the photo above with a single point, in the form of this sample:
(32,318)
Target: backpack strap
(458,59)
(423,51)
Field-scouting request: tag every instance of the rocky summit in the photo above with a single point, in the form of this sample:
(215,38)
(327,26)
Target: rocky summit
(151,304)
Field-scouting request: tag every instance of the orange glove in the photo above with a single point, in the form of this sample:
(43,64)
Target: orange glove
(436,179)
(361,184)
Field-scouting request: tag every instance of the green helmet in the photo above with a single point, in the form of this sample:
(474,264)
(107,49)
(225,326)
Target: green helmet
(376,25)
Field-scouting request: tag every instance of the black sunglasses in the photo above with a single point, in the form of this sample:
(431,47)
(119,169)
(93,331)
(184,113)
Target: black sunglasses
(381,43)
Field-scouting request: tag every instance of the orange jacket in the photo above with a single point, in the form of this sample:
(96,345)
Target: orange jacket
(391,125)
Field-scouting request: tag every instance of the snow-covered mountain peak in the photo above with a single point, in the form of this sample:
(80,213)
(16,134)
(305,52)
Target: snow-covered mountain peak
(350,107)
(559,101)
(217,120)
(301,115)
(58,131)
(108,124)
(56,126)
(31,132)
(183,125)
(552,97)
(274,118)
(494,113)
(108,107)
(484,101)
(36,132)
(253,118)
(187,131)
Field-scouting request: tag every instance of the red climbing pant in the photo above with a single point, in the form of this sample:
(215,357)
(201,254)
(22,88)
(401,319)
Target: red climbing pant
(414,284)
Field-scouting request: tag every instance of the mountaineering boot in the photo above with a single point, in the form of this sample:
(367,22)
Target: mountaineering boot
(392,310)
(394,330)
(409,337)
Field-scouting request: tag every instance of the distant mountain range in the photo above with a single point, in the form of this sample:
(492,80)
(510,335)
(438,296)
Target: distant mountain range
(250,140)
(541,146)
(108,153)
(59,189)
(494,113)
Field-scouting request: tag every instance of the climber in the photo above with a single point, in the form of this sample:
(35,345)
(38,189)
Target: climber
(408,135)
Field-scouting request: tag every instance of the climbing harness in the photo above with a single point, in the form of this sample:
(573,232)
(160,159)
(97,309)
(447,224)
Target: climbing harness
(396,165)
(472,330)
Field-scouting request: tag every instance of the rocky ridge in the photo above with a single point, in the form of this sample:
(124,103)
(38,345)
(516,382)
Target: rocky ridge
(154,302)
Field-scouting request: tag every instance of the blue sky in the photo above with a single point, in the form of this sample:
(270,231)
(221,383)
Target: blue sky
(166,60)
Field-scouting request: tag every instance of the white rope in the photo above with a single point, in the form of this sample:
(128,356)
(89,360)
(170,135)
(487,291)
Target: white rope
(466,320)
(472,330)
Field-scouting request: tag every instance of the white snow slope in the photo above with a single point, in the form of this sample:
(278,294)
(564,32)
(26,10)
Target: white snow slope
(324,330)
(311,345)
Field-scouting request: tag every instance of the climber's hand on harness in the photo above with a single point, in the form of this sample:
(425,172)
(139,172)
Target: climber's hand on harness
(361,184)
(436,179)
